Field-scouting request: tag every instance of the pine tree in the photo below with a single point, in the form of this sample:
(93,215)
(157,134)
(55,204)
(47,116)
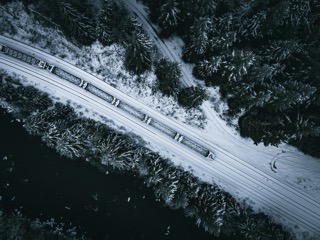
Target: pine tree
(278,15)
(192,96)
(138,52)
(210,209)
(199,39)
(168,74)
(69,144)
(167,188)
(77,24)
(207,69)
(290,94)
(105,23)
(205,7)
(299,14)
(51,136)
(263,76)
(223,34)
(252,27)
(168,19)
(238,63)
(116,153)
(280,50)
(154,8)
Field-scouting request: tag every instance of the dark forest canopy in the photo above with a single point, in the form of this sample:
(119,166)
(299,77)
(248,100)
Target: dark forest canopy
(264,55)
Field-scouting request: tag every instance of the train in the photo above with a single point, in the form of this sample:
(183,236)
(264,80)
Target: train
(26,58)
(45,65)
(109,98)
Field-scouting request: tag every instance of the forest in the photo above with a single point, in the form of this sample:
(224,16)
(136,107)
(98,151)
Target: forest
(263,55)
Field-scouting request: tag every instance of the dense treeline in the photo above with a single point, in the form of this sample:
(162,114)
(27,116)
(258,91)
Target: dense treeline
(15,226)
(81,138)
(264,55)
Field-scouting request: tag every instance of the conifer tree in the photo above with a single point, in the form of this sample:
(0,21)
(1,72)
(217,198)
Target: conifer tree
(199,39)
(168,19)
(279,50)
(192,96)
(138,52)
(105,23)
(238,63)
(168,74)
(206,69)
(77,24)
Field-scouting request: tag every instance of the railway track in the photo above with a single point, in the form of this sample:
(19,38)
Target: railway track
(106,96)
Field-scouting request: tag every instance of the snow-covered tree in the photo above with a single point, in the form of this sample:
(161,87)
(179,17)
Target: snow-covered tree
(206,69)
(138,52)
(78,24)
(210,209)
(192,96)
(168,74)
(299,13)
(238,63)
(278,15)
(167,188)
(301,126)
(199,39)
(279,50)
(252,27)
(104,23)
(151,168)
(116,153)
(290,94)
(51,136)
(69,144)
(168,19)
(36,124)
(186,190)
(262,76)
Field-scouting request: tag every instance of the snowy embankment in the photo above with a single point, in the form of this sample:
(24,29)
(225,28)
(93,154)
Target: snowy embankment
(105,61)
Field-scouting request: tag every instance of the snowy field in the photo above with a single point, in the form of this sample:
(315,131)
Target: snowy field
(284,163)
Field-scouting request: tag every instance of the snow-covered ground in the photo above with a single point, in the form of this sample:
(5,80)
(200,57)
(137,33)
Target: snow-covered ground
(293,169)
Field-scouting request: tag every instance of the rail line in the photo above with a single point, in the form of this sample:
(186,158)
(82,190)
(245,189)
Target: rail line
(108,97)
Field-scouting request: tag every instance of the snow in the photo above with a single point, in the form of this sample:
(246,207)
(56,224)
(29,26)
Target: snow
(294,170)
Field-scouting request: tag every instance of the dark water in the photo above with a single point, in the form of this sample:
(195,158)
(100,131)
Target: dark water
(45,185)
